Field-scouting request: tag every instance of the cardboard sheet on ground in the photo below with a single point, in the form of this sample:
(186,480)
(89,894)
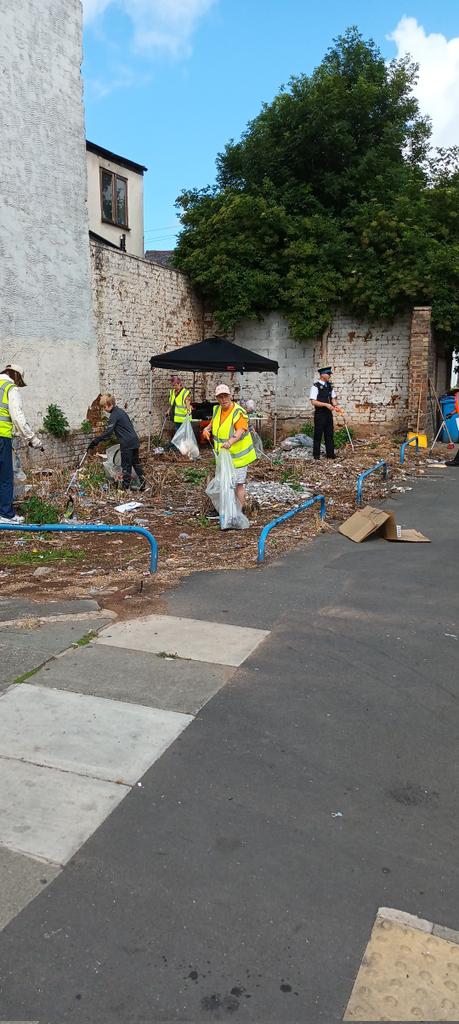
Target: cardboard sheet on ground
(367,521)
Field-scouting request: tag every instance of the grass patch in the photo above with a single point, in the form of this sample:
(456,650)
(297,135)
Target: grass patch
(85,640)
(203,521)
(194,476)
(39,512)
(42,557)
(290,477)
(27,675)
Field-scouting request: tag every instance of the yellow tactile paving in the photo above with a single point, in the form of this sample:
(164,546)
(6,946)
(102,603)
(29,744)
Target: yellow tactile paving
(407,973)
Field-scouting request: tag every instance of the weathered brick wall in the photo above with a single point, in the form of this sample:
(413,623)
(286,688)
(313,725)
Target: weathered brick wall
(370,365)
(141,309)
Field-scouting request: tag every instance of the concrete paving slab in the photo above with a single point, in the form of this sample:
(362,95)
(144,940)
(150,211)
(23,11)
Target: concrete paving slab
(88,735)
(49,814)
(135,676)
(21,879)
(24,649)
(22,608)
(218,643)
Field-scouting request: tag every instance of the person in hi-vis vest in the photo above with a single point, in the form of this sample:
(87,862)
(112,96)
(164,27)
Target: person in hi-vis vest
(12,421)
(230,429)
(179,402)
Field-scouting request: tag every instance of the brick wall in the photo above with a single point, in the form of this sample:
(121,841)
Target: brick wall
(370,365)
(141,309)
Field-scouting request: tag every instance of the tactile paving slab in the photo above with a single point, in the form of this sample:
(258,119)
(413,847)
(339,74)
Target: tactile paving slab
(409,972)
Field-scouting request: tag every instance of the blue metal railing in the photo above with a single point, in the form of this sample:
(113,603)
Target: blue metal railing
(361,477)
(288,515)
(89,528)
(411,440)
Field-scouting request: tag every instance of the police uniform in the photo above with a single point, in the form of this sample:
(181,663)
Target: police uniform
(323,391)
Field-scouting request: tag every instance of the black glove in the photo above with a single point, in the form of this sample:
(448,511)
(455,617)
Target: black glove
(92,444)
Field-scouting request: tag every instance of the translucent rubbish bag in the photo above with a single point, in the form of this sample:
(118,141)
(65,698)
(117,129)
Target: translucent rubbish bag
(221,492)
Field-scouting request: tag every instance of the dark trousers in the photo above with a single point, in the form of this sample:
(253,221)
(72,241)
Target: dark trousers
(323,426)
(6,478)
(130,461)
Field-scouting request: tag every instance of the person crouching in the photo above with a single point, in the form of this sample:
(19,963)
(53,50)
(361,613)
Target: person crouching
(122,427)
(230,429)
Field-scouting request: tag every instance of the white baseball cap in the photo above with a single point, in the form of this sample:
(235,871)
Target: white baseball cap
(18,369)
(222,389)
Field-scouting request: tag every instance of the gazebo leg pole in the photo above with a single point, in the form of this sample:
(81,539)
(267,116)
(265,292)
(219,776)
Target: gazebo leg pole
(150,409)
(194,385)
(275,415)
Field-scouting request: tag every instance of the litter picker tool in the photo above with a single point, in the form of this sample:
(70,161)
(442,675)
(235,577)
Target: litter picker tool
(164,424)
(341,413)
(443,422)
(75,475)
(70,506)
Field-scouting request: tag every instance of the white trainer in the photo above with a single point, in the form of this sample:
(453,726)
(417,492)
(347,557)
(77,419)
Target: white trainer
(17,520)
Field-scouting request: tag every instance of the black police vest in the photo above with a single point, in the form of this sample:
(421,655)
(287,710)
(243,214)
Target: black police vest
(324,393)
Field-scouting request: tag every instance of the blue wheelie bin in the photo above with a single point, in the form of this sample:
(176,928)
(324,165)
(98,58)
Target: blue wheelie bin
(447,403)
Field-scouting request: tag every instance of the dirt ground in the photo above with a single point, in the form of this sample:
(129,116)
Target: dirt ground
(115,570)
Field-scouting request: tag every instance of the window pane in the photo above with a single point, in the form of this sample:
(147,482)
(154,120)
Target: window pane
(121,201)
(107,196)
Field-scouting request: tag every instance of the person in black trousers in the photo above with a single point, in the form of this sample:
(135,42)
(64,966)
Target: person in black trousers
(323,398)
(122,427)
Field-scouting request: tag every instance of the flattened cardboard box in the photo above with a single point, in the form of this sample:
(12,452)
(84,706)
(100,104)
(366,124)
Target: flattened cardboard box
(370,520)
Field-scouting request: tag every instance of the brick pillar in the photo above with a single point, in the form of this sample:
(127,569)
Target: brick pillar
(419,368)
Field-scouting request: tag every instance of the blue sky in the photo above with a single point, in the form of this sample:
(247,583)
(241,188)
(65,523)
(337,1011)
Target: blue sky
(168,82)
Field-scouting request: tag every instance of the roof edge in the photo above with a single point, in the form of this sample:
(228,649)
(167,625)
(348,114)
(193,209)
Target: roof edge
(92,147)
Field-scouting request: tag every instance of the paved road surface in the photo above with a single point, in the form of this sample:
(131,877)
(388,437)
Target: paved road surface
(319,782)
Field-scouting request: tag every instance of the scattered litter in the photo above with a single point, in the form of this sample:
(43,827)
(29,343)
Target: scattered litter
(158,451)
(452,635)
(43,570)
(184,536)
(337,814)
(128,506)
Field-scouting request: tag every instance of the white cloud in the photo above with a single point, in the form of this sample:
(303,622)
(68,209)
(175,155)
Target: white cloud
(158,25)
(438,86)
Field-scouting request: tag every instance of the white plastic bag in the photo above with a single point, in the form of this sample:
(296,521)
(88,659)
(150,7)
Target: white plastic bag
(221,492)
(257,443)
(185,441)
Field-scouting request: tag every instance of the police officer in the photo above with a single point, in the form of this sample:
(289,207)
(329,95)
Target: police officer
(323,398)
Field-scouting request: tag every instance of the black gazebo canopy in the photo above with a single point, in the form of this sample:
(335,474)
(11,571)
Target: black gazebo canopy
(212,355)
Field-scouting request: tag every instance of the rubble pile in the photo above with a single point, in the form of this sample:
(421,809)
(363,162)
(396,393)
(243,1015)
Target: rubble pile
(268,494)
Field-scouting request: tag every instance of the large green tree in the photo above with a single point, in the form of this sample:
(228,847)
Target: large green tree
(330,199)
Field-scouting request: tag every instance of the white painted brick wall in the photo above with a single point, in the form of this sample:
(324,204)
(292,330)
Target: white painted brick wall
(370,365)
(45,308)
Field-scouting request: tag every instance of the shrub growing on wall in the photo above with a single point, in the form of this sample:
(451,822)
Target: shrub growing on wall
(55,422)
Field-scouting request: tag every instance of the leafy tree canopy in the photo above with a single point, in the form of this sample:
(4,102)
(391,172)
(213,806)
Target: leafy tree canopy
(330,198)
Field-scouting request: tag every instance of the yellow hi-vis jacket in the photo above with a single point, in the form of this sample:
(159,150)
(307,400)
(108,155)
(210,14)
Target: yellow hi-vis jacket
(243,451)
(6,423)
(177,403)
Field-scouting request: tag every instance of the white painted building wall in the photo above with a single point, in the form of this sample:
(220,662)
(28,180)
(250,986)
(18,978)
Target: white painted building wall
(370,363)
(45,308)
(113,232)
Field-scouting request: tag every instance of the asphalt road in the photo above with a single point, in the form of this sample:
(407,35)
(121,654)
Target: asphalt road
(242,880)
